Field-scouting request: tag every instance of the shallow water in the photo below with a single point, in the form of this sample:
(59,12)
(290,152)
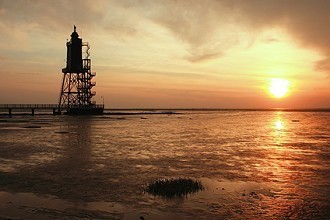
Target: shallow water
(254,164)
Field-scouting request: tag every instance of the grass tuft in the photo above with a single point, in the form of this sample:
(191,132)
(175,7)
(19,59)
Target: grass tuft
(174,187)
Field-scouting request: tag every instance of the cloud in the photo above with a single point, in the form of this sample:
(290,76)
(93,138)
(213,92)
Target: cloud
(323,65)
(271,40)
(207,29)
(50,15)
(197,24)
(213,26)
(307,21)
(32,24)
(196,57)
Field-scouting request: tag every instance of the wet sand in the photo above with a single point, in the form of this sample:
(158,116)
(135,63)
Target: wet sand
(269,167)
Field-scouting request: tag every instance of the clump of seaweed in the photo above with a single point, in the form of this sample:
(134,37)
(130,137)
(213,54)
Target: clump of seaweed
(174,187)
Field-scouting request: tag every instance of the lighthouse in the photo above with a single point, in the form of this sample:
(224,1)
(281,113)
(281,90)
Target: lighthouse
(76,90)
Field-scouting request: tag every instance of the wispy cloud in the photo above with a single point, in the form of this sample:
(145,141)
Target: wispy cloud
(207,28)
(212,26)
(307,21)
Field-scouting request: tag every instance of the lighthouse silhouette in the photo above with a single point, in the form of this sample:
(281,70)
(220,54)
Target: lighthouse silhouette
(76,90)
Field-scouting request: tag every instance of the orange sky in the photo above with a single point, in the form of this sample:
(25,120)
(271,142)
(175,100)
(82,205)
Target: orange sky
(171,54)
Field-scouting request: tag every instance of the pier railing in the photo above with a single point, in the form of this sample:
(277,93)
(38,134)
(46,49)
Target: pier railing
(29,106)
(54,107)
(42,106)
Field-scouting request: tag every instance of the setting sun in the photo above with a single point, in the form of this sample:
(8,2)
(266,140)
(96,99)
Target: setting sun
(279,87)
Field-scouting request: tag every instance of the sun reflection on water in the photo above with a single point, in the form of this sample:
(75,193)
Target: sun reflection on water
(279,124)
(279,129)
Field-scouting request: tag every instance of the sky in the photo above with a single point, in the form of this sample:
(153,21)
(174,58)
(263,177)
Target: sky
(171,53)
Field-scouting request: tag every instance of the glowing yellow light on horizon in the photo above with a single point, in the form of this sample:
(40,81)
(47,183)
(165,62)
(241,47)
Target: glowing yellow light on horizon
(279,87)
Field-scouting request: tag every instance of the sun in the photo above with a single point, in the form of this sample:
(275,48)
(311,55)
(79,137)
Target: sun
(279,87)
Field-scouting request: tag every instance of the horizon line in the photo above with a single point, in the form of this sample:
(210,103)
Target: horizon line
(219,109)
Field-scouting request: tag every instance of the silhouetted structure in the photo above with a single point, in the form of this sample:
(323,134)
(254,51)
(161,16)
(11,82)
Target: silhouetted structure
(76,91)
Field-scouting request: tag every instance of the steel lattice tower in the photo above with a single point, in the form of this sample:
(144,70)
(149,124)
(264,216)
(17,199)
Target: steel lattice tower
(76,91)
